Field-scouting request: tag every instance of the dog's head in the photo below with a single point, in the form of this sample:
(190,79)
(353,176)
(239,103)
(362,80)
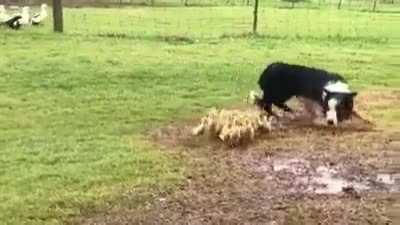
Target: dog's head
(338,106)
(338,102)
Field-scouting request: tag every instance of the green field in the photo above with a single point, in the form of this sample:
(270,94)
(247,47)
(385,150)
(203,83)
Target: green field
(74,108)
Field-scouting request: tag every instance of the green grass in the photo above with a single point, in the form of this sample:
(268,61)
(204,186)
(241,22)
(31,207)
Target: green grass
(74,107)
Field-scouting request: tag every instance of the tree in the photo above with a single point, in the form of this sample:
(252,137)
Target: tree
(58,16)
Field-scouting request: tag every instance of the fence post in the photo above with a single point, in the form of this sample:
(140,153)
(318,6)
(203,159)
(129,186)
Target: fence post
(58,16)
(255,19)
(339,4)
(375,1)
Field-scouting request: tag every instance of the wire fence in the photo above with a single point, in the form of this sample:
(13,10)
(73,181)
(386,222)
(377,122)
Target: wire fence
(283,3)
(80,3)
(319,19)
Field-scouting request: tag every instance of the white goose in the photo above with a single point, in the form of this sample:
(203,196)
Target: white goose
(3,14)
(39,17)
(10,21)
(25,20)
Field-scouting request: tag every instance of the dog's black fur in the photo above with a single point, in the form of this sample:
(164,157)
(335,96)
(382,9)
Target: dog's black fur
(280,81)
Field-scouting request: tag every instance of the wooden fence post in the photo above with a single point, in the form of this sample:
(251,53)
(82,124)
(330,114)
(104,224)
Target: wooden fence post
(339,4)
(255,19)
(374,8)
(58,16)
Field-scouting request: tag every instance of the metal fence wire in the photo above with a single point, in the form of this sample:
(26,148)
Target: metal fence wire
(202,19)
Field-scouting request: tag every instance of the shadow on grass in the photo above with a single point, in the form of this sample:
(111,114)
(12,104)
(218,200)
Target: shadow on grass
(331,38)
(186,40)
(172,39)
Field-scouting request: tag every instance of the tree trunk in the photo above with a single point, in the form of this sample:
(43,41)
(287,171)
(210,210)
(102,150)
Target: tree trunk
(255,19)
(339,4)
(58,16)
(292,4)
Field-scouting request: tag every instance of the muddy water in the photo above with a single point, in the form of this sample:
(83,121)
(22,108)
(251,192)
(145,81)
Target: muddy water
(391,180)
(330,180)
(331,183)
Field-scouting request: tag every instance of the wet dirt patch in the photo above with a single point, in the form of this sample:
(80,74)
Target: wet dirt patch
(301,173)
(327,178)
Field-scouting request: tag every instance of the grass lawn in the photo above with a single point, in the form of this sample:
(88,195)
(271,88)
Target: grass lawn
(74,107)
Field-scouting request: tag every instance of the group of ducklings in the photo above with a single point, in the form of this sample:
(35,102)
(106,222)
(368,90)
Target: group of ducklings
(234,127)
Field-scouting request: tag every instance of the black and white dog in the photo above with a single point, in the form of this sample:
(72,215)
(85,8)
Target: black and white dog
(280,81)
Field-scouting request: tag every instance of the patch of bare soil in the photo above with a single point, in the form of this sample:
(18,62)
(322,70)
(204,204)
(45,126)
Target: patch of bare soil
(301,173)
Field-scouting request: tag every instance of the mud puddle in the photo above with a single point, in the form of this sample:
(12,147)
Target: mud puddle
(330,180)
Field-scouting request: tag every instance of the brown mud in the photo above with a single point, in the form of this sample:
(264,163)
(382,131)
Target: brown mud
(301,173)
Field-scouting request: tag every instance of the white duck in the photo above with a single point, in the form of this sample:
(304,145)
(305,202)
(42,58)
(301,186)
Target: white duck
(3,14)
(25,20)
(10,21)
(39,17)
